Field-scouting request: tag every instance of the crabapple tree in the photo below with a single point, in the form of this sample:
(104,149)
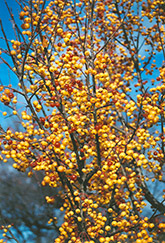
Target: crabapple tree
(91,76)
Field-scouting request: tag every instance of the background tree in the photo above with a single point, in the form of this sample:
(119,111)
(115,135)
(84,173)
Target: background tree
(23,205)
(93,122)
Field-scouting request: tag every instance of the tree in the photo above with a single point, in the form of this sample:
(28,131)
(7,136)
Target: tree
(27,212)
(93,82)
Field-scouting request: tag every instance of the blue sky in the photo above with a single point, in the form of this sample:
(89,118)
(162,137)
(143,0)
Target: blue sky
(5,17)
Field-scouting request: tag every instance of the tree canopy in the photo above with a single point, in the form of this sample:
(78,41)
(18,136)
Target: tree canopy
(90,102)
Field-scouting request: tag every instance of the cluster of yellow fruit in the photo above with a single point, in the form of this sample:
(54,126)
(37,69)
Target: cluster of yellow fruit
(6,232)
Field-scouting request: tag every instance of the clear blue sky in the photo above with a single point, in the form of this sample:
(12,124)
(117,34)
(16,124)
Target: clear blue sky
(5,17)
